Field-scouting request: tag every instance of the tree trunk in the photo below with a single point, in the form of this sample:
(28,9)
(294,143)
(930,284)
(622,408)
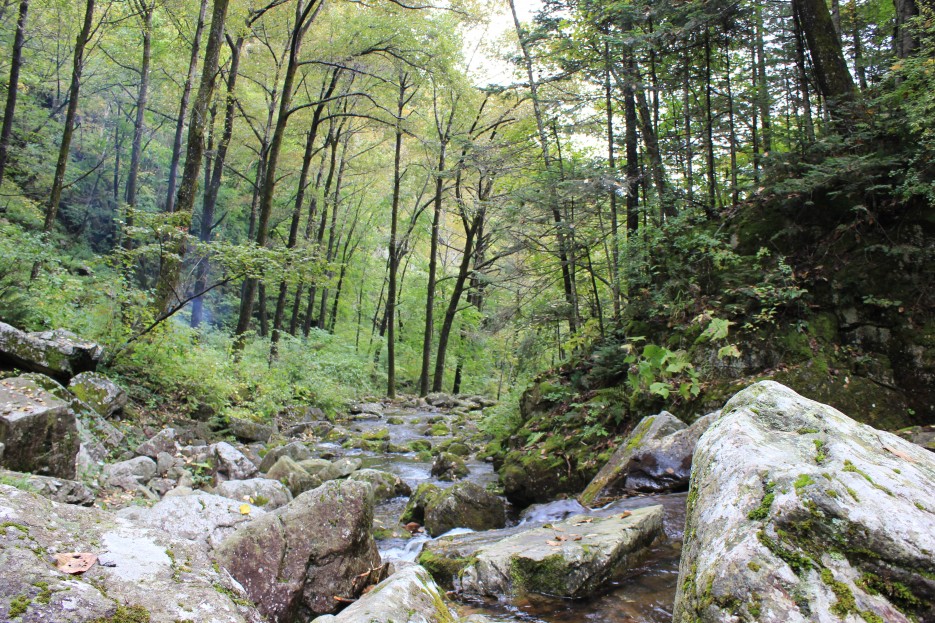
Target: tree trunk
(58,180)
(614,217)
(303,19)
(13,85)
(905,40)
(139,121)
(831,73)
(547,160)
(211,192)
(185,202)
(183,110)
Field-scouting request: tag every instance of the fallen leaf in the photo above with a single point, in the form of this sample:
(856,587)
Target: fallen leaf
(75,562)
(577,537)
(584,521)
(899,453)
(553,543)
(625,514)
(244,509)
(670,470)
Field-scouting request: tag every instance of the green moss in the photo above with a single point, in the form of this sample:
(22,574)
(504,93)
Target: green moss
(801,482)
(850,467)
(896,592)
(799,563)
(126,614)
(753,566)
(871,617)
(12,524)
(637,437)
(45,595)
(442,568)
(546,576)
(234,597)
(820,455)
(845,598)
(762,511)
(18,605)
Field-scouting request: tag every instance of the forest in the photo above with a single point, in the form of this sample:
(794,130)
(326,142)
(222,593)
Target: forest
(467,311)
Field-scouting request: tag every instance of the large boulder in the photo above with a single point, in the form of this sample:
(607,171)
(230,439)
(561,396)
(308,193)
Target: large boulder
(200,517)
(263,492)
(231,464)
(166,440)
(408,596)
(798,513)
(56,489)
(572,559)
(295,561)
(99,392)
(464,505)
(610,480)
(530,477)
(143,574)
(130,474)
(38,430)
(291,474)
(57,353)
(385,485)
(449,466)
(296,450)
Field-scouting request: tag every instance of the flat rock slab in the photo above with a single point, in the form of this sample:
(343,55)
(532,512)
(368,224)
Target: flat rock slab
(140,571)
(56,489)
(572,559)
(407,596)
(39,431)
(798,513)
(57,353)
(200,517)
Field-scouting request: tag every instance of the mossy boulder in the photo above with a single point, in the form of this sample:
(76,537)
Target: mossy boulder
(825,518)
(530,477)
(98,391)
(385,485)
(448,466)
(463,505)
(572,559)
(415,508)
(58,353)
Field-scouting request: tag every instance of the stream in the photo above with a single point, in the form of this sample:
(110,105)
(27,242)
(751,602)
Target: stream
(645,595)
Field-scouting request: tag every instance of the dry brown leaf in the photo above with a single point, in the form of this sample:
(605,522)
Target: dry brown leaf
(899,453)
(75,562)
(577,537)
(625,514)
(553,543)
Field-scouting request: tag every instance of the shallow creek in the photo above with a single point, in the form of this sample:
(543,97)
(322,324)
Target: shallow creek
(644,596)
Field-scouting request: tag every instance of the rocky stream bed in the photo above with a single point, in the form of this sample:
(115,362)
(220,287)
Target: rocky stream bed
(794,512)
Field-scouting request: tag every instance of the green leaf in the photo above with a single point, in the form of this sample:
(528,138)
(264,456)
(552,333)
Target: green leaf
(660,389)
(730,350)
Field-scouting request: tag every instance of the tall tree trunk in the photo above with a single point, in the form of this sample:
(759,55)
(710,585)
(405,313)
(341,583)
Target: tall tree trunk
(13,85)
(762,86)
(183,110)
(858,46)
(214,186)
(185,202)
(304,16)
(146,10)
(633,157)
(804,90)
(58,180)
(614,217)
(444,134)
(390,316)
(547,160)
(452,309)
(831,73)
(905,40)
(331,250)
(687,123)
(732,131)
(711,206)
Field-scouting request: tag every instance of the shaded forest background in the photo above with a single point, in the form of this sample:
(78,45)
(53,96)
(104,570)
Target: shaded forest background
(256,205)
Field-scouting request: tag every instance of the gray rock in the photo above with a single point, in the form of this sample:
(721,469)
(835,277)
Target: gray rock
(827,519)
(611,479)
(448,466)
(57,353)
(441,400)
(128,475)
(162,486)
(346,466)
(142,570)
(572,559)
(385,484)
(56,489)
(250,430)
(291,474)
(38,430)
(294,561)
(409,595)
(367,408)
(98,391)
(323,469)
(165,462)
(201,517)
(263,492)
(165,440)
(464,505)
(296,450)
(231,464)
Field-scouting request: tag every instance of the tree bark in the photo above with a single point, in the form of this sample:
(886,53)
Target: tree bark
(58,180)
(183,110)
(185,201)
(13,85)
(136,146)
(831,73)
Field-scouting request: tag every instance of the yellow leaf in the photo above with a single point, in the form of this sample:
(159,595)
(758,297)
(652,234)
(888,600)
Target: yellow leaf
(244,509)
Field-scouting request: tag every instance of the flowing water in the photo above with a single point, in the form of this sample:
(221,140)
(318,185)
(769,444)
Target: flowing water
(644,596)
